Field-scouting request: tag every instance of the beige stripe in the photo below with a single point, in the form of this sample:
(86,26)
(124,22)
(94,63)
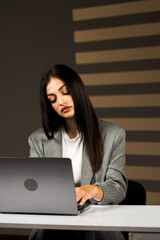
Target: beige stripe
(121,78)
(140,124)
(143,148)
(145,173)
(153,198)
(117,32)
(144,100)
(115,10)
(118,55)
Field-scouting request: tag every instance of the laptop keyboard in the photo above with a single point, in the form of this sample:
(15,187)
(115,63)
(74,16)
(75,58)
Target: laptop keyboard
(83,207)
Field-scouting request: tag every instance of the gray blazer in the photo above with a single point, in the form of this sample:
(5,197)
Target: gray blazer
(111,177)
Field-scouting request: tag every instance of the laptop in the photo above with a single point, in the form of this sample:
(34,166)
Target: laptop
(38,186)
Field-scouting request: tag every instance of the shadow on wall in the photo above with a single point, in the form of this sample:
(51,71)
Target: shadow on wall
(117,54)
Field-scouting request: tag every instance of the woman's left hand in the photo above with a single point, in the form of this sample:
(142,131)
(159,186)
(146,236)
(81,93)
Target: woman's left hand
(87,192)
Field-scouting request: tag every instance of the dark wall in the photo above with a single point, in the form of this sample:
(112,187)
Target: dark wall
(34,35)
(116,50)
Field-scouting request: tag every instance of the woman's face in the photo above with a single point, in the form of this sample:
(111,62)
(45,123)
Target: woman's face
(60,98)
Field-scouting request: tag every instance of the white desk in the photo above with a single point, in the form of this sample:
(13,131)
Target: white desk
(107,218)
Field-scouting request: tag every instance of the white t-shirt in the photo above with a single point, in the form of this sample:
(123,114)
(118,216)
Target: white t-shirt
(72,148)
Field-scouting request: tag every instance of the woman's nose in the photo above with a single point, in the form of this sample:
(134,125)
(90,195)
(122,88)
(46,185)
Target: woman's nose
(61,101)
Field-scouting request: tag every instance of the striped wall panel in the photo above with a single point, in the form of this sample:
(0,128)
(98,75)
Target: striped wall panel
(117,54)
(115,10)
(140,30)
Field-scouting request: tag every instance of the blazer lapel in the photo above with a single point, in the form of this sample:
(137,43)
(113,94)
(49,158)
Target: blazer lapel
(86,172)
(53,148)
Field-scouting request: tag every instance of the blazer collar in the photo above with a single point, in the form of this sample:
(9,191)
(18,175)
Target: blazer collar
(86,172)
(53,148)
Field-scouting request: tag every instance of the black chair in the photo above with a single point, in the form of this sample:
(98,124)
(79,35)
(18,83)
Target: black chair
(136,195)
(33,234)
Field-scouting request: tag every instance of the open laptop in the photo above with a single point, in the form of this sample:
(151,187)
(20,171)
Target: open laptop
(38,186)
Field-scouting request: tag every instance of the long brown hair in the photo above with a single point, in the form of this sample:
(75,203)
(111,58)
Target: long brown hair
(86,119)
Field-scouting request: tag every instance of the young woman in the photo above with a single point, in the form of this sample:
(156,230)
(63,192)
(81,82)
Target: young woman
(71,129)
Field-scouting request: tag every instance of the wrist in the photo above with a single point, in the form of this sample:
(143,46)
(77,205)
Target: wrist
(98,197)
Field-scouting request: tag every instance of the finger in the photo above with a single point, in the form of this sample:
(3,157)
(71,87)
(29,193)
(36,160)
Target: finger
(77,191)
(83,200)
(80,195)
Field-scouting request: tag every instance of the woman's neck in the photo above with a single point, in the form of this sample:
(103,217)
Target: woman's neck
(71,127)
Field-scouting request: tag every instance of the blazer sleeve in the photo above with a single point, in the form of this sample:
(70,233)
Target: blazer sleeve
(35,142)
(113,181)
(33,151)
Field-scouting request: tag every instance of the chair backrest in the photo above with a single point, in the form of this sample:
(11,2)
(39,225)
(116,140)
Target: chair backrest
(136,194)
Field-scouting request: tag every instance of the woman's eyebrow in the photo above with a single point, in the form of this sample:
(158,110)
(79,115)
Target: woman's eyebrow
(64,85)
(52,94)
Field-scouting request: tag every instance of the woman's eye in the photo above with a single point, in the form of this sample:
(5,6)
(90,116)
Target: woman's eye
(53,101)
(66,92)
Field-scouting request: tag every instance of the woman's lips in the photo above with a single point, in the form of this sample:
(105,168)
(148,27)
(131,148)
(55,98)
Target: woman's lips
(65,109)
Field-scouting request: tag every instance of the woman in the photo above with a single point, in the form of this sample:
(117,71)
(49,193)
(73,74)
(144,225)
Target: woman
(71,129)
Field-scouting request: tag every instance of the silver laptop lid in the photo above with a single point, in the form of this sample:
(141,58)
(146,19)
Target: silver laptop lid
(37,185)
